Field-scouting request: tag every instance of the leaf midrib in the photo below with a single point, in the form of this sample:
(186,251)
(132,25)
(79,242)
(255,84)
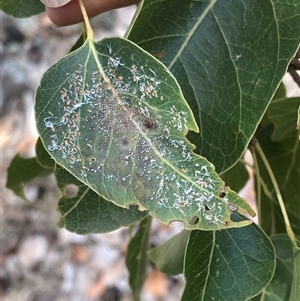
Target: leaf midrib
(191,33)
(116,96)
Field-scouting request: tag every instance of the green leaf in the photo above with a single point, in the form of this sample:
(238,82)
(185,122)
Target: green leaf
(283,113)
(80,41)
(21,171)
(234,264)
(115,118)
(228,57)
(43,157)
(236,177)
(296,279)
(87,212)
(279,94)
(169,256)
(137,260)
(284,159)
(281,284)
(22,8)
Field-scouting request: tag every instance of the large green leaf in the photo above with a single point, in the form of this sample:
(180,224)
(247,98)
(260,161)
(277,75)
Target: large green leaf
(137,260)
(228,56)
(87,212)
(234,264)
(115,118)
(23,170)
(22,8)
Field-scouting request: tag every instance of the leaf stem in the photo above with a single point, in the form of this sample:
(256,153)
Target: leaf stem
(90,33)
(90,38)
(289,230)
(258,197)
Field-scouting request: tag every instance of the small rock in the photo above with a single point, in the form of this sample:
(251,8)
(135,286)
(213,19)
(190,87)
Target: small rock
(33,250)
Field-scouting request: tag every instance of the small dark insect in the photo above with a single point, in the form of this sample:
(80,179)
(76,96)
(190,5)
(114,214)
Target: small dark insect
(148,124)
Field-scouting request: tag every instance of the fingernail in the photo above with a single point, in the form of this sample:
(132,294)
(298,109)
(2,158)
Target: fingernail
(55,3)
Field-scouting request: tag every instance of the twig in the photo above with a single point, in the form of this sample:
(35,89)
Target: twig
(289,229)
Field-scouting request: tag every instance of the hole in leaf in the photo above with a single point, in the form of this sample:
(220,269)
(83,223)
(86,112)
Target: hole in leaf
(206,208)
(193,220)
(232,208)
(71,191)
(33,191)
(223,192)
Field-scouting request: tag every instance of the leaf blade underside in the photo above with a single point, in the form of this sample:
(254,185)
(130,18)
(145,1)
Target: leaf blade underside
(115,118)
(87,212)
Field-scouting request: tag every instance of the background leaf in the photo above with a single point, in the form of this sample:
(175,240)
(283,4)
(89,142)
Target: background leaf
(115,118)
(236,177)
(22,8)
(228,57)
(87,212)
(280,288)
(80,41)
(296,272)
(233,264)
(169,256)
(137,259)
(23,170)
(279,140)
(281,284)
(43,157)
(284,159)
(283,114)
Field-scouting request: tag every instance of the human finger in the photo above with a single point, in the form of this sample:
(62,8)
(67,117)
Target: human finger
(71,13)
(55,3)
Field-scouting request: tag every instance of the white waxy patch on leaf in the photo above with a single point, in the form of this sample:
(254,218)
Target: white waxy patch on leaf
(115,118)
